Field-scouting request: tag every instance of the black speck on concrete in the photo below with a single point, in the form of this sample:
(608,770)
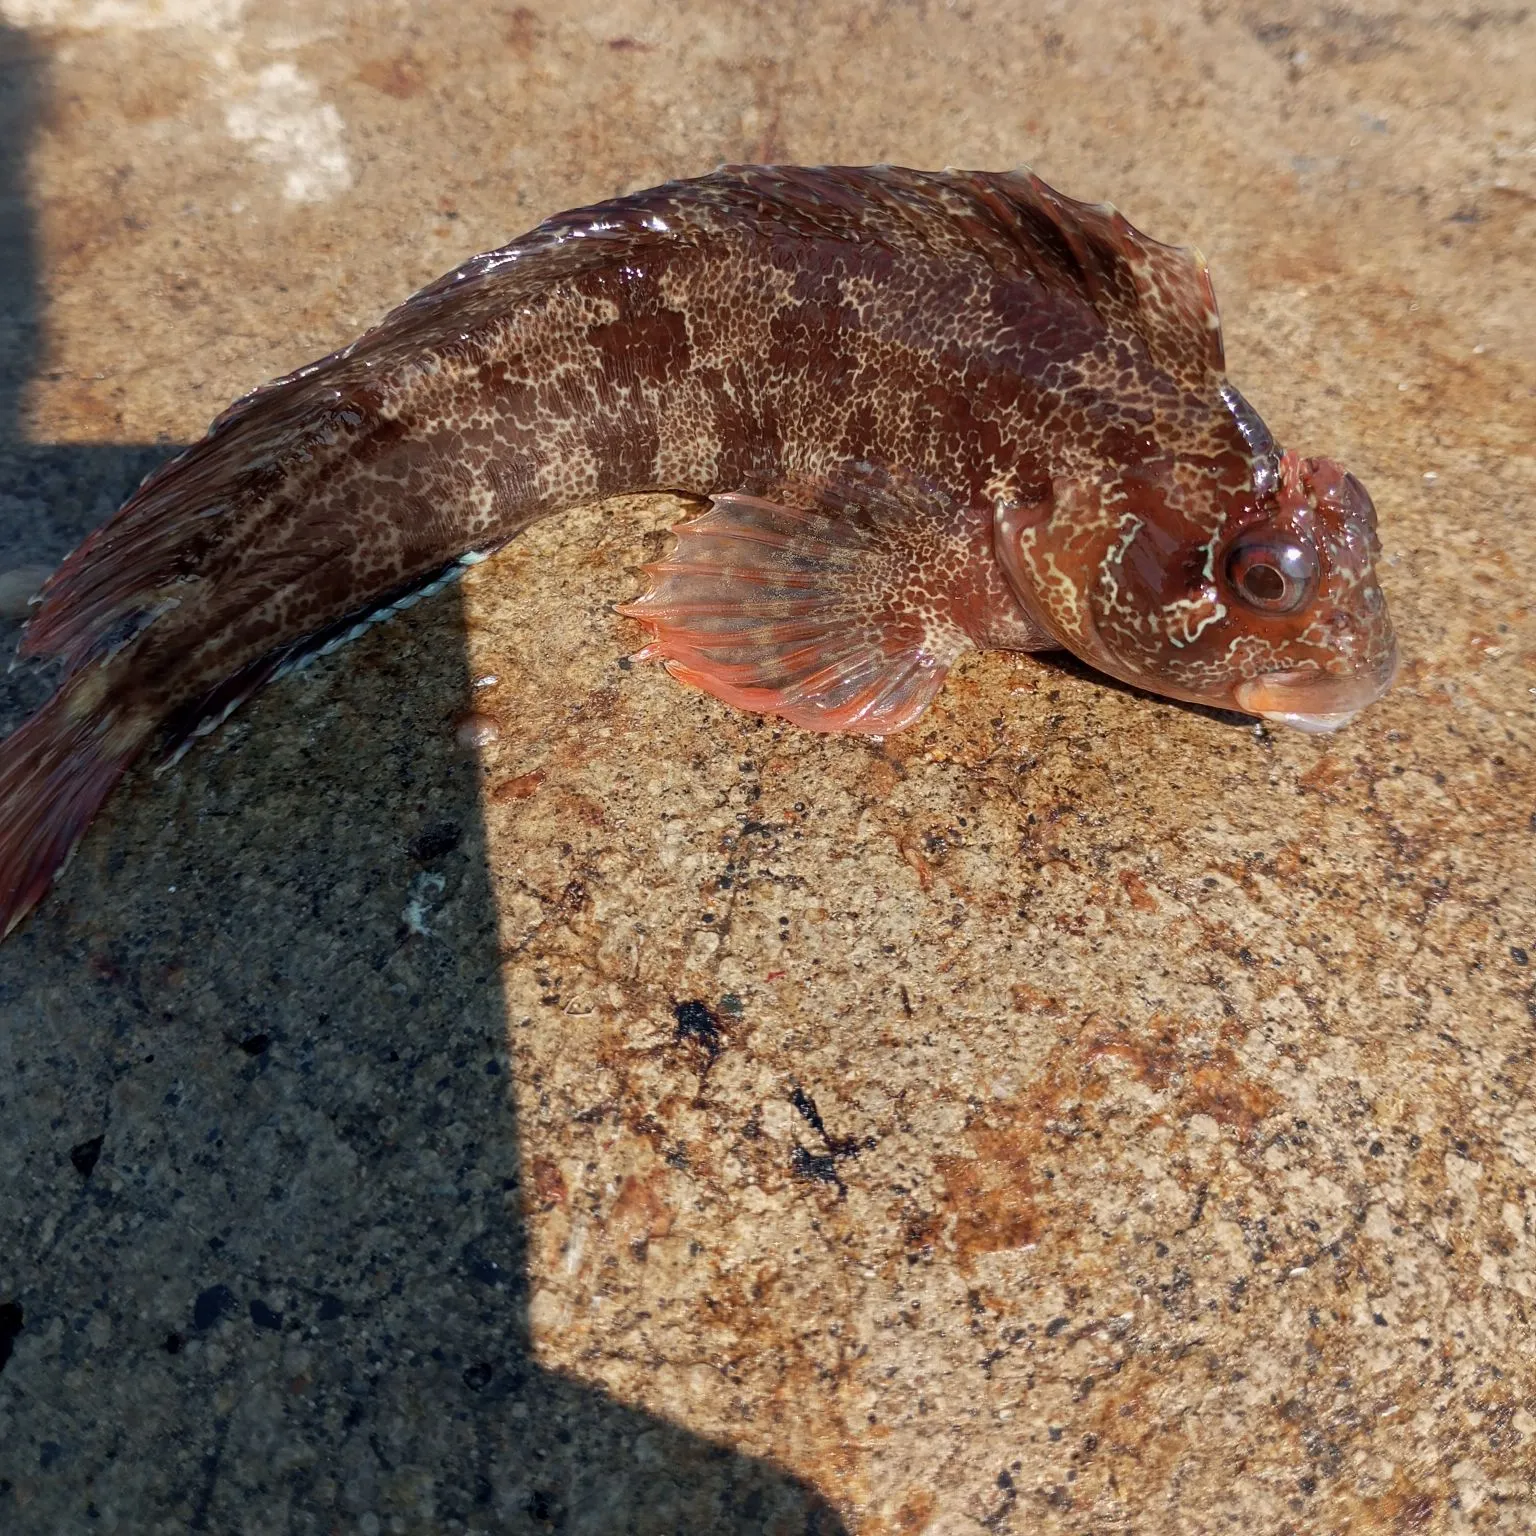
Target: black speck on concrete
(84,1156)
(434,841)
(216,1302)
(816,1167)
(264,1317)
(696,1020)
(11,1319)
(805,1106)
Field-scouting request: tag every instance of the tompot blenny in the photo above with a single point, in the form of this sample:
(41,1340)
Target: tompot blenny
(932,411)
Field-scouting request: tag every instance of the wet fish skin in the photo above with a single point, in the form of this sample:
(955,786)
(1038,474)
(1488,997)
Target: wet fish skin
(939,410)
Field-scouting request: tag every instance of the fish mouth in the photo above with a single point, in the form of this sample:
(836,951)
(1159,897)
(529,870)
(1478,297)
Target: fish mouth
(1315,702)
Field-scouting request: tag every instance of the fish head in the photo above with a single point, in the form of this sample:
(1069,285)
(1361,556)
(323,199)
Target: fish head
(1312,640)
(1261,597)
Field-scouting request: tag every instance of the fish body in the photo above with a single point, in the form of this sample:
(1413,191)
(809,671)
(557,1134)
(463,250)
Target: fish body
(933,411)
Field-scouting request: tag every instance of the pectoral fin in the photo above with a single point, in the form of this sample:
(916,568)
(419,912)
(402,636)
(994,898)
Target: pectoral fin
(831,606)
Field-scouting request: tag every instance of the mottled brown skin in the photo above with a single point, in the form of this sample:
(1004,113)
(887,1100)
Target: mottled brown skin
(1020,397)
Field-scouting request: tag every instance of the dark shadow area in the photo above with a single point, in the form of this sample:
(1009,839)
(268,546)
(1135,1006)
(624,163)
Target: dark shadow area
(262,1244)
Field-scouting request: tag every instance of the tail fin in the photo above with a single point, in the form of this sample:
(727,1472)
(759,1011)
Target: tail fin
(54,773)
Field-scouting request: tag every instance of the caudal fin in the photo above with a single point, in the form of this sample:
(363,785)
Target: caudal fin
(55,771)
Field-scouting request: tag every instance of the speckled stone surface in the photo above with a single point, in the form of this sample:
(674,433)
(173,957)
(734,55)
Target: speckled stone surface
(1078,1114)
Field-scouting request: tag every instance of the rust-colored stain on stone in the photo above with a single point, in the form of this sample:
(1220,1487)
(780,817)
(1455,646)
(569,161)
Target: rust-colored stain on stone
(400,76)
(915,1514)
(988,1203)
(519,787)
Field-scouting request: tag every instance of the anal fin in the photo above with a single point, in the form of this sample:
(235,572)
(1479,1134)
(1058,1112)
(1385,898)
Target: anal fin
(834,606)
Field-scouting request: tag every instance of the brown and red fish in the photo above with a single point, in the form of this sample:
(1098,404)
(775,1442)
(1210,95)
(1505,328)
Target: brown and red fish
(933,411)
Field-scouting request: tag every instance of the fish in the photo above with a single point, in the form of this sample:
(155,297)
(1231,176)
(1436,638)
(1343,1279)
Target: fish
(930,412)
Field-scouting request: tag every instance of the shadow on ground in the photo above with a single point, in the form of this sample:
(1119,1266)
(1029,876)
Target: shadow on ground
(261,1201)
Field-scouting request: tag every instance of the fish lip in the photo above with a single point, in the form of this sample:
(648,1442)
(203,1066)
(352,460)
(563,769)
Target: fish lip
(1318,703)
(1312,725)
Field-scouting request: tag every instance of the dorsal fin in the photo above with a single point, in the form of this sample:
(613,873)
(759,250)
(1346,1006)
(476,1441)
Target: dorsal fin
(1162,292)
(1014,221)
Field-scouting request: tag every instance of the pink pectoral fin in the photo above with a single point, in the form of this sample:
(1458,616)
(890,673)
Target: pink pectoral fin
(818,614)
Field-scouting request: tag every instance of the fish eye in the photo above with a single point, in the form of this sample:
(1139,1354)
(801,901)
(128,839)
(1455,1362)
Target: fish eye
(1272,573)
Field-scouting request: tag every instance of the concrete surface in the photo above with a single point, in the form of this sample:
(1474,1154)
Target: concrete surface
(1079,1114)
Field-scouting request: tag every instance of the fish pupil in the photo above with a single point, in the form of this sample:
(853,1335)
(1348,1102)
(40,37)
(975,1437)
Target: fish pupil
(1264,583)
